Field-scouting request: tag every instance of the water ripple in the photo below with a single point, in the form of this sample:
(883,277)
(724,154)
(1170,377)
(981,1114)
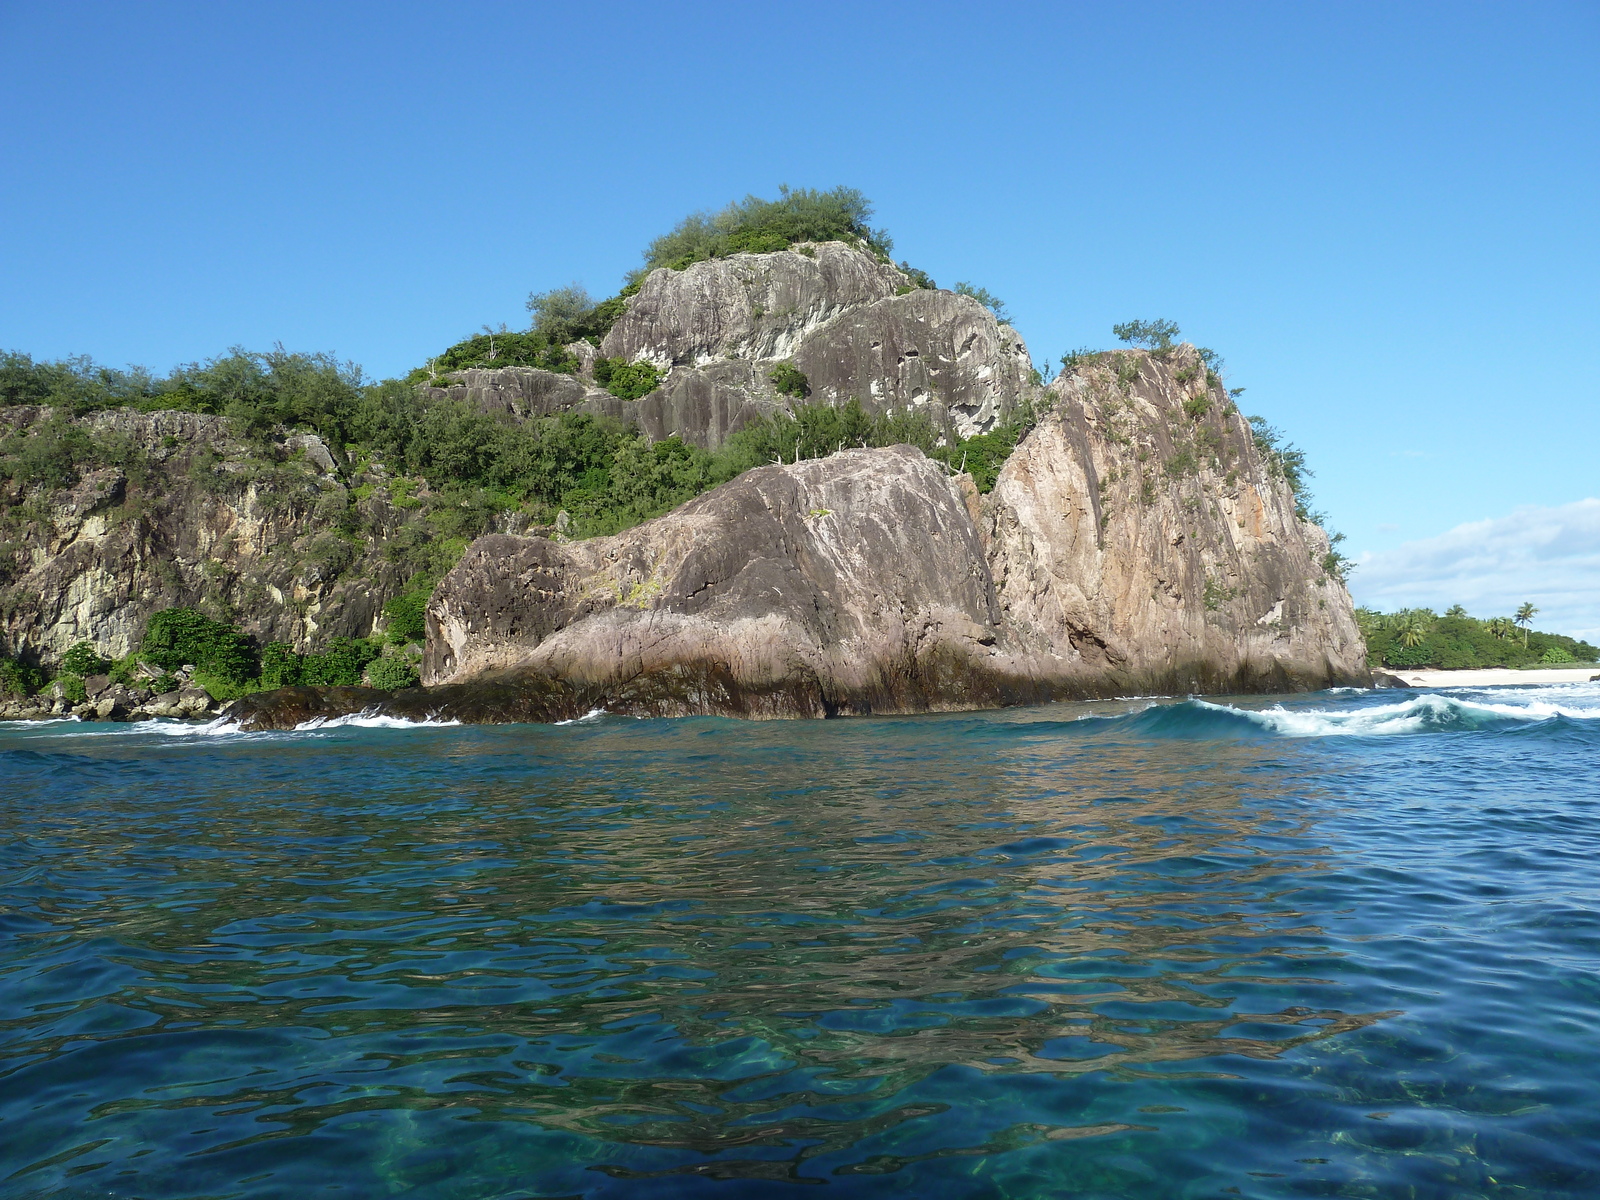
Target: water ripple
(1336,945)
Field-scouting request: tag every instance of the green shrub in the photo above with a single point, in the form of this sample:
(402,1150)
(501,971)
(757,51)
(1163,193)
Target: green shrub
(790,380)
(499,349)
(280,665)
(560,313)
(818,430)
(84,659)
(340,665)
(986,298)
(920,280)
(1335,562)
(407,616)
(56,452)
(1285,461)
(261,392)
(177,637)
(1073,359)
(74,384)
(1157,335)
(72,689)
(222,689)
(626,380)
(1556,654)
(1197,406)
(391,673)
(18,679)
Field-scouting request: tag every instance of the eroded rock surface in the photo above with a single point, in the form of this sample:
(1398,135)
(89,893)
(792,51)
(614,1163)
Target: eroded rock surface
(1139,535)
(751,306)
(927,349)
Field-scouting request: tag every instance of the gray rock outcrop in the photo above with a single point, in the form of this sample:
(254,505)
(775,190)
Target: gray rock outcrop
(850,322)
(850,584)
(751,306)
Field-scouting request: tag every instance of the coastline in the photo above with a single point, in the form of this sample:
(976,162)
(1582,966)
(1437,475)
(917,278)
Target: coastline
(1499,676)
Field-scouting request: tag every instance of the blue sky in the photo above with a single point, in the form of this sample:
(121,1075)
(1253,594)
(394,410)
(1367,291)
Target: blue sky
(1382,215)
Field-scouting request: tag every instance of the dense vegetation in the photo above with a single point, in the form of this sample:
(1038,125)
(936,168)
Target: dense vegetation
(1419,637)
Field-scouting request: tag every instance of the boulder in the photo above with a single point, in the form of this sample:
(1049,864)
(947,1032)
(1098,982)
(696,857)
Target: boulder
(852,584)
(702,405)
(315,450)
(521,392)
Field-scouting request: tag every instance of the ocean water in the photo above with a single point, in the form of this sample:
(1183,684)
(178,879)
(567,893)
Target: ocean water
(1344,944)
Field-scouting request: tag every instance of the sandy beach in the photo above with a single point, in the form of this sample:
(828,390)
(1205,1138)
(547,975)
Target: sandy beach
(1500,676)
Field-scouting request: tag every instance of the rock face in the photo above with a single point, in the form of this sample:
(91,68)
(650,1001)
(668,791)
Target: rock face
(926,349)
(852,584)
(1140,535)
(194,516)
(1138,541)
(853,324)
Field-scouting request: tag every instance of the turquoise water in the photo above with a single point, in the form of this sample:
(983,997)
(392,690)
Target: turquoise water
(1343,944)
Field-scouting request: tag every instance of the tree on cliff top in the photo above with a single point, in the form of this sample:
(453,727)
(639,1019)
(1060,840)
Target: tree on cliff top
(1157,335)
(757,226)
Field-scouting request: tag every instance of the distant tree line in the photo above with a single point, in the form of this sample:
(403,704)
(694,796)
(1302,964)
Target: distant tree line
(1419,637)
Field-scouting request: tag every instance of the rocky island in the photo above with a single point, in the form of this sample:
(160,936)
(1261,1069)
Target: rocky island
(869,501)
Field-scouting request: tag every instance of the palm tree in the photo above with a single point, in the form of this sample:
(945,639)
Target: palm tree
(1501,627)
(1409,628)
(1524,617)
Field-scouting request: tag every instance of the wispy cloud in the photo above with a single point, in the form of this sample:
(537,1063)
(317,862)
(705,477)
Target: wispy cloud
(1550,556)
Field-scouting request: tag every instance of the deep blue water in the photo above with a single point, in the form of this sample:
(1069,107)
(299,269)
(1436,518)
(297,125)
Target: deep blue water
(1336,945)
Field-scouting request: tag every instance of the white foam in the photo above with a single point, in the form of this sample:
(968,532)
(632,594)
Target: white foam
(172,728)
(1415,714)
(370,720)
(592,715)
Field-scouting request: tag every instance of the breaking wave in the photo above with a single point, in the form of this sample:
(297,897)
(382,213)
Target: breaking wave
(1429,713)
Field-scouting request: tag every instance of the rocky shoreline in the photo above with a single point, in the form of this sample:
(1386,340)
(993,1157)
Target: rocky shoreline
(105,700)
(876,582)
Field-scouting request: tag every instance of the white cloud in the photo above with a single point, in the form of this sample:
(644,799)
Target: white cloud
(1550,556)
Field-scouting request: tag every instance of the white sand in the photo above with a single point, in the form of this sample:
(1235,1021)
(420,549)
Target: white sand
(1499,676)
